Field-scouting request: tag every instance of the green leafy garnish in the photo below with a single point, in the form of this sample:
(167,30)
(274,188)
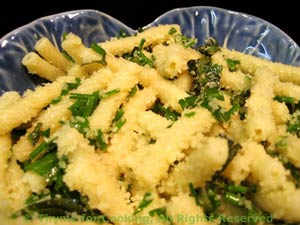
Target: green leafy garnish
(68,86)
(132,91)
(67,56)
(45,133)
(281,143)
(285,99)
(295,172)
(237,188)
(292,104)
(189,102)
(64,35)
(45,166)
(172,30)
(217,111)
(240,99)
(118,121)
(98,141)
(166,112)
(59,200)
(80,123)
(294,123)
(110,93)
(221,191)
(205,74)
(137,56)
(41,149)
(210,47)
(187,42)
(190,114)
(144,203)
(119,114)
(100,51)
(232,64)
(85,104)
(233,150)
(122,34)
(233,198)
(206,88)
(34,136)
(162,214)
(194,194)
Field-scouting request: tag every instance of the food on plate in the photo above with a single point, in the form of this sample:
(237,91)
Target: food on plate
(151,129)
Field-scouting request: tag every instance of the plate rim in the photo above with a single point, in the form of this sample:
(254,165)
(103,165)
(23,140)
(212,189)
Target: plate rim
(225,10)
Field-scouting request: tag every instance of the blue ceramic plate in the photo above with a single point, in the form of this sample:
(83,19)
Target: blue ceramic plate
(234,30)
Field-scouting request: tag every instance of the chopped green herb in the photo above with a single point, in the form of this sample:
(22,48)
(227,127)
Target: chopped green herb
(279,146)
(34,136)
(59,201)
(294,123)
(194,194)
(295,172)
(80,123)
(67,56)
(233,198)
(98,142)
(46,133)
(189,102)
(217,111)
(281,143)
(206,87)
(41,149)
(137,56)
(292,104)
(70,86)
(172,30)
(118,121)
(66,89)
(100,51)
(162,214)
(210,47)
(285,99)
(110,93)
(233,150)
(122,34)
(34,198)
(65,34)
(166,112)
(190,114)
(187,42)
(240,99)
(205,74)
(119,115)
(144,203)
(85,104)
(219,191)
(232,64)
(132,91)
(56,100)
(210,200)
(45,166)
(227,115)
(237,188)
(214,92)
(119,124)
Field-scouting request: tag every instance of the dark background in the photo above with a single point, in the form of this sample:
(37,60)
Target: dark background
(283,13)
